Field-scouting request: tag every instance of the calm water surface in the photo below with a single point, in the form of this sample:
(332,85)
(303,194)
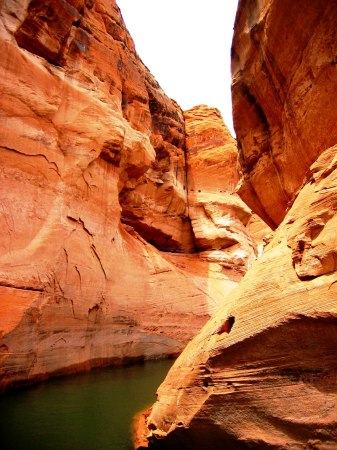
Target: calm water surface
(92,411)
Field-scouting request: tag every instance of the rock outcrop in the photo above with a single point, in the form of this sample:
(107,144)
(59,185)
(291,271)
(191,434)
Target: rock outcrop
(92,174)
(218,215)
(77,288)
(281,91)
(263,372)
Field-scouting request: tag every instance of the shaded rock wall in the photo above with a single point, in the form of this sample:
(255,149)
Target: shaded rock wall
(262,373)
(284,85)
(92,170)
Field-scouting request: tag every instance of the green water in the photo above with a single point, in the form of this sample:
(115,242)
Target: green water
(92,411)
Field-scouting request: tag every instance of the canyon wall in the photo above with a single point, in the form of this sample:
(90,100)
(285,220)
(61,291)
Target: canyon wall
(283,68)
(218,216)
(262,373)
(99,261)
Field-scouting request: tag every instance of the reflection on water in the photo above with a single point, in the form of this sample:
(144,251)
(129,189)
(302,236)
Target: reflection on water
(92,411)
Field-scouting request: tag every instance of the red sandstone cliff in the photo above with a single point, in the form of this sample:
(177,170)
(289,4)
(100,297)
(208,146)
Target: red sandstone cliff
(93,173)
(284,70)
(218,215)
(262,373)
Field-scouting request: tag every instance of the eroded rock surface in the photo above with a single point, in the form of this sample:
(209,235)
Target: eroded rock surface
(262,374)
(284,86)
(218,215)
(92,173)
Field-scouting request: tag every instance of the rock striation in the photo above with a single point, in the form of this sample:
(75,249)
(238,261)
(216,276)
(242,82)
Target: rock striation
(218,215)
(280,90)
(99,260)
(262,373)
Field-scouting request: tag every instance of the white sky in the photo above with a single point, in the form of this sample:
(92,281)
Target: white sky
(186,46)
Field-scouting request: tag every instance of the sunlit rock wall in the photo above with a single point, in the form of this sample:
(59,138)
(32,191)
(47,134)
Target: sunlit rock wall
(262,373)
(92,173)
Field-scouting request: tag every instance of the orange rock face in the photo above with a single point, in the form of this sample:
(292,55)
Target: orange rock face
(218,215)
(92,173)
(280,90)
(262,373)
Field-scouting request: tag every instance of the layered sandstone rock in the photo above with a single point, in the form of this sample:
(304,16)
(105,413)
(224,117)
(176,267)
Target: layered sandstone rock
(284,86)
(92,170)
(81,120)
(225,249)
(218,215)
(89,41)
(259,231)
(263,372)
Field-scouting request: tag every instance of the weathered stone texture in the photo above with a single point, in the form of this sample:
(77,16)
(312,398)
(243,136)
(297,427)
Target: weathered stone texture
(262,373)
(92,171)
(80,120)
(284,86)
(218,215)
